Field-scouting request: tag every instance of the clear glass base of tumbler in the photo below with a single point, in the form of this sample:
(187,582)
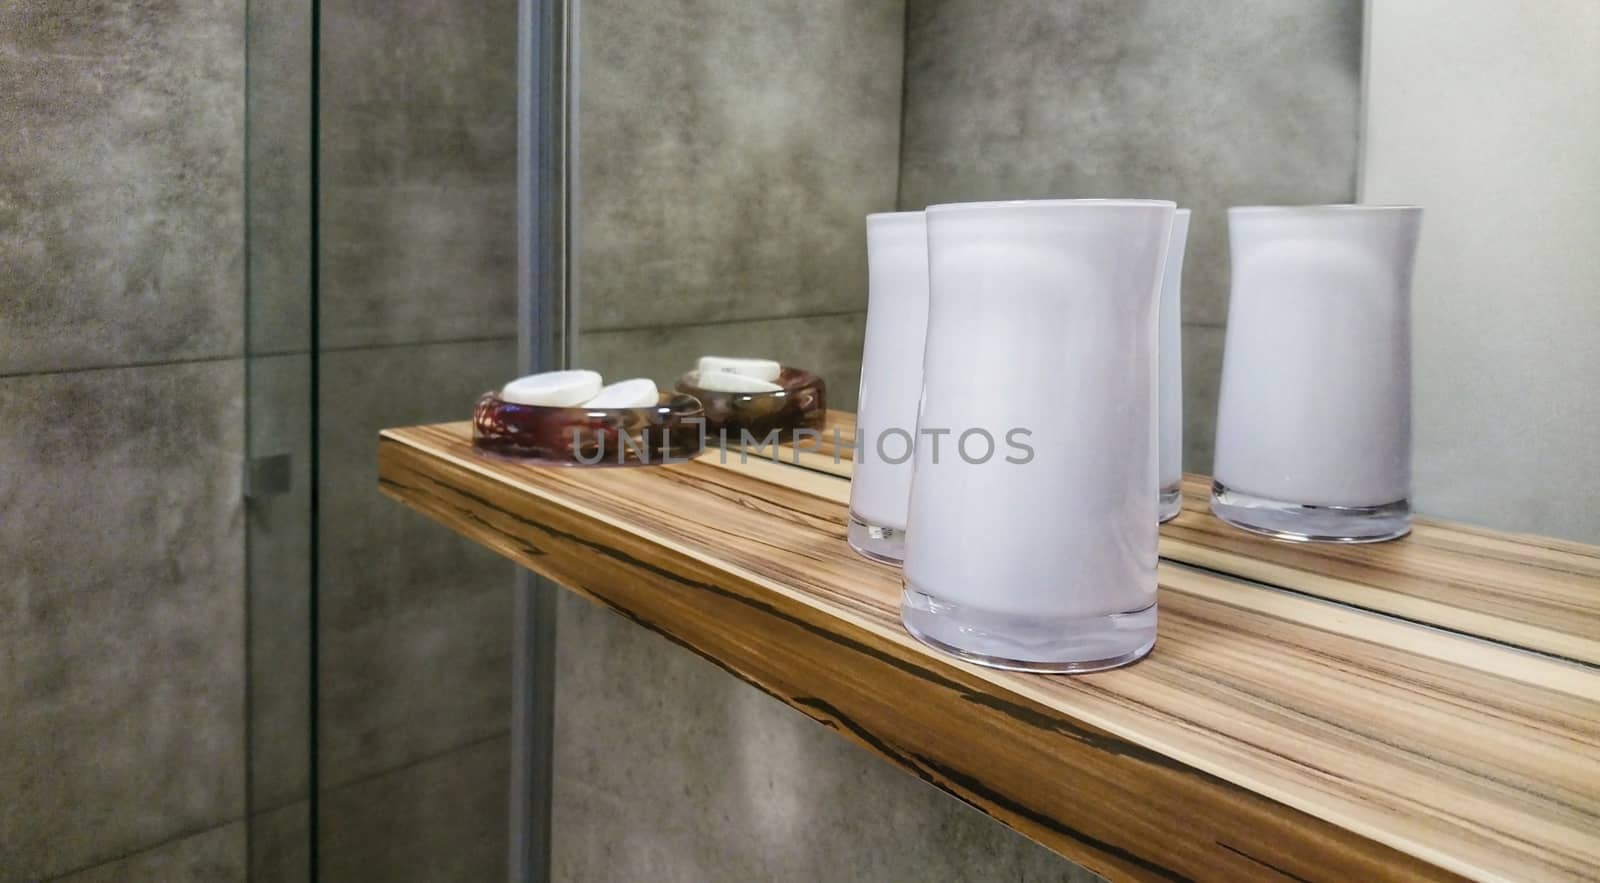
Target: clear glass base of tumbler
(885,544)
(1054,646)
(1311,524)
(1170,503)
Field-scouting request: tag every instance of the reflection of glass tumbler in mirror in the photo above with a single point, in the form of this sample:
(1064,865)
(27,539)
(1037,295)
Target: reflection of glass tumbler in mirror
(1314,418)
(1171,370)
(891,383)
(1032,541)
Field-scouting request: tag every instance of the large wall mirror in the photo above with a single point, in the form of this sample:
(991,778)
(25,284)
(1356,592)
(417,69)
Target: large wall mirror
(726,154)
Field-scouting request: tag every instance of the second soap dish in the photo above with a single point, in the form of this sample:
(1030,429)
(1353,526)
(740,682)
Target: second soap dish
(799,401)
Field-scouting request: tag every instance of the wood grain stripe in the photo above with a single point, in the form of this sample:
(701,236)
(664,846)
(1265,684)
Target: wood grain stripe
(1530,592)
(1491,657)
(1536,593)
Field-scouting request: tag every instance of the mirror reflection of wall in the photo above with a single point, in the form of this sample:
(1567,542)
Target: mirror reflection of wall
(727,155)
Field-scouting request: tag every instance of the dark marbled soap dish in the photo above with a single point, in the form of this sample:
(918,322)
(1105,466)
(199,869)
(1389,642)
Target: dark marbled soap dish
(578,436)
(801,403)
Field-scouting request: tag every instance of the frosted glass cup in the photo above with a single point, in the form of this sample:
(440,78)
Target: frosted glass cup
(1032,530)
(1314,417)
(891,383)
(1171,370)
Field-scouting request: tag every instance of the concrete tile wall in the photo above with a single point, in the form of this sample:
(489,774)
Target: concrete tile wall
(280,844)
(122,741)
(669,769)
(213,856)
(121,611)
(419,172)
(728,155)
(415,621)
(440,819)
(121,202)
(278,175)
(1210,105)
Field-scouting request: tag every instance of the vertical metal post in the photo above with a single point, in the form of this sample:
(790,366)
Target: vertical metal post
(532,719)
(543,336)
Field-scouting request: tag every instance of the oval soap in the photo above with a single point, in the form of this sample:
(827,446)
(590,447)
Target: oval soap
(760,369)
(553,389)
(640,392)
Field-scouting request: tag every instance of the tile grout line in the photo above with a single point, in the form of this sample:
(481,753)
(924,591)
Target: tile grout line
(831,314)
(134,853)
(201,360)
(670,326)
(163,363)
(417,762)
(246,819)
(453,341)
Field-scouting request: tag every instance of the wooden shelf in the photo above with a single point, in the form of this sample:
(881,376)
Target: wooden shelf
(1270,735)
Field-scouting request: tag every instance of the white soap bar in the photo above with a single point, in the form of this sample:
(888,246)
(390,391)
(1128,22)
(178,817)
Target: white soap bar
(722,381)
(760,369)
(555,389)
(639,392)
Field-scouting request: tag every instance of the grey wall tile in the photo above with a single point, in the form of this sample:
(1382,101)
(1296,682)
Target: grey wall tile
(121,201)
(1202,379)
(828,345)
(279,586)
(441,821)
(278,174)
(121,611)
(214,856)
(729,153)
(701,777)
(1211,105)
(419,92)
(419,167)
(415,621)
(417,263)
(280,844)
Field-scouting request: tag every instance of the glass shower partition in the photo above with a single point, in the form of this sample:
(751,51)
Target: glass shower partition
(280,451)
(381,215)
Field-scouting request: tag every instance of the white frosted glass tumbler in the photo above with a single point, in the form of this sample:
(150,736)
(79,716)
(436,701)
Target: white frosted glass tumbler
(891,383)
(1032,530)
(1171,370)
(1314,417)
